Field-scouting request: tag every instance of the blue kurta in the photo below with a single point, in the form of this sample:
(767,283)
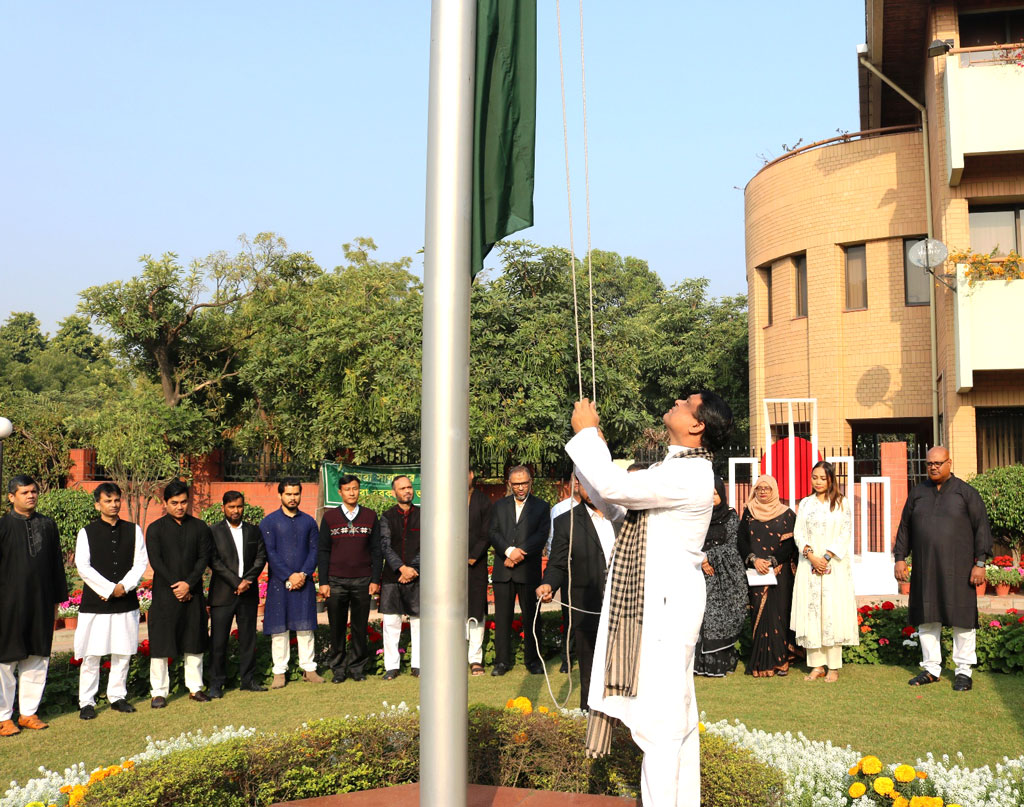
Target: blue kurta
(291,547)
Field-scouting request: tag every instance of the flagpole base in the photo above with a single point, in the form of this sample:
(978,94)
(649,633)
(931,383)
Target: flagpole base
(477,796)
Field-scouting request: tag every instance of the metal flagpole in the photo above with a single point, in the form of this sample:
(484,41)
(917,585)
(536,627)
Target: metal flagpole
(445,414)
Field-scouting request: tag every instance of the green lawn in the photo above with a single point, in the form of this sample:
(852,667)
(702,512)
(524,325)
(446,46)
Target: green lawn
(871,708)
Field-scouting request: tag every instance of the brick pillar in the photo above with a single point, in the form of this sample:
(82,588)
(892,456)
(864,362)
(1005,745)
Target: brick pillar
(894,466)
(83,463)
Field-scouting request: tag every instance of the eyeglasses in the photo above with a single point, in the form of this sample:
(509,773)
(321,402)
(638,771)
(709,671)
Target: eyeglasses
(937,464)
(520,484)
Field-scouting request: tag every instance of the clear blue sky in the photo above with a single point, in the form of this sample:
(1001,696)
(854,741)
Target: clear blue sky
(135,128)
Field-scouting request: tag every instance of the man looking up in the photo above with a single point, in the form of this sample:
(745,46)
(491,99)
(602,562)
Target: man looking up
(291,540)
(349,567)
(111,559)
(179,552)
(32,583)
(519,529)
(237,560)
(653,606)
(945,526)
(400,583)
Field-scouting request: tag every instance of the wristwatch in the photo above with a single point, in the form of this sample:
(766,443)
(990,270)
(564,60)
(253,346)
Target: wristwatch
(827,556)
(980,564)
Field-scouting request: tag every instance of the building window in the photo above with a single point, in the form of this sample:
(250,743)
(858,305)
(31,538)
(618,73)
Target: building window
(916,281)
(766,273)
(800,277)
(996,229)
(979,29)
(1000,435)
(856,277)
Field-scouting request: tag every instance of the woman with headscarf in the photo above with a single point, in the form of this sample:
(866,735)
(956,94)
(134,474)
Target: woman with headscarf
(726,583)
(766,545)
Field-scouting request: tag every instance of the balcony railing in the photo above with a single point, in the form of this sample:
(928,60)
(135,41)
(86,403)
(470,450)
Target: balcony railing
(991,54)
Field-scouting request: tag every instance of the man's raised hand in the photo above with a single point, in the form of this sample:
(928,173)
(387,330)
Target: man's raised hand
(584,415)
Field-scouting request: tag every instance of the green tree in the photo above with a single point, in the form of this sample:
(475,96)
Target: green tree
(20,338)
(1002,491)
(44,434)
(74,337)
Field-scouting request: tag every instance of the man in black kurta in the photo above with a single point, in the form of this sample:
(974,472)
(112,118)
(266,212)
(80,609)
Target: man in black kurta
(179,552)
(32,583)
(945,529)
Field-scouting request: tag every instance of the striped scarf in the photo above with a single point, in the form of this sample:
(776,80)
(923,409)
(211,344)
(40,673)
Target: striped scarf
(625,617)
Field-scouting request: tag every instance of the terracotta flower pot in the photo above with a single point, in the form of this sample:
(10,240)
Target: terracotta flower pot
(71,622)
(1002,589)
(904,588)
(981,589)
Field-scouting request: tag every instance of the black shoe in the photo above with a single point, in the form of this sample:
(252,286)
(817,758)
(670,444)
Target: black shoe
(415,672)
(159,702)
(122,706)
(253,687)
(535,669)
(922,678)
(391,675)
(199,697)
(564,668)
(215,692)
(499,669)
(339,677)
(87,712)
(962,683)
(358,676)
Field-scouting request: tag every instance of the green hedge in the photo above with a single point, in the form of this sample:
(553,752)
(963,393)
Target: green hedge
(214,513)
(61,693)
(506,748)
(72,509)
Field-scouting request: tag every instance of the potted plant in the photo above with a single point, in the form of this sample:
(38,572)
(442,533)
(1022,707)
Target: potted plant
(145,594)
(1001,575)
(905,587)
(68,610)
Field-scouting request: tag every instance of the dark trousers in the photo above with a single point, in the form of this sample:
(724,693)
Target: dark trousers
(584,634)
(505,595)
(567,634)
(349,603)
(243,611)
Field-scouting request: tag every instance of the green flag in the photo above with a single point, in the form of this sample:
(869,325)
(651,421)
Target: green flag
(376,478)
(505,122)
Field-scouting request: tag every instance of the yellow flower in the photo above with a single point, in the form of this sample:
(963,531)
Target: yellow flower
(901,802)
(922,775)
(128,764)
(510,704)
(542,710)
(701,728)
(522,703)
(35,804)
(66,789)
(883,785)
(854,770)
(904,773)
(857,789)
(871,765)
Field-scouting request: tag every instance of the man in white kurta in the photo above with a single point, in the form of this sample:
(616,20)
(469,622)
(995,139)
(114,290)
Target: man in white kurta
(678,496)
(111,558)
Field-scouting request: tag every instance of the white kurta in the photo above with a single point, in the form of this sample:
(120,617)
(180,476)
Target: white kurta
(678,495)
(824,612)
(100,634)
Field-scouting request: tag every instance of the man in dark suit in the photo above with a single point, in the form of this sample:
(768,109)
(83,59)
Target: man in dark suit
(593,537)
(479,543)
(237,560)
(518,532)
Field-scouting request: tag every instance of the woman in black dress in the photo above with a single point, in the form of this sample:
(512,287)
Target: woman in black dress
(766,544)
(726,582)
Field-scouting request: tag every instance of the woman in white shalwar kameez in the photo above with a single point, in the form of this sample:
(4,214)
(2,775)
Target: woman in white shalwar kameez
(824,613)
(678,497)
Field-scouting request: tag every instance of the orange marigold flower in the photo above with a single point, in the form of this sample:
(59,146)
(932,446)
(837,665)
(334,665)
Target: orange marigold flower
(857,789)
(854,770)
(901,802)
(871,765)
(510,704)
(883,785)
(904,773)
(922,775)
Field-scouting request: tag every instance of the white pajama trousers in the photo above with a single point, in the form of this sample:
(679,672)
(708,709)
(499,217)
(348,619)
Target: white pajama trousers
(30,682)
(391,630)
(476,642)
(964,643)
(160,682)
(831,657)
(89,679)
(670,774)
(280,651)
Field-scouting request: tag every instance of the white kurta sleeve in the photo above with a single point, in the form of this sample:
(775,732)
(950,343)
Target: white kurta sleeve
(131,580)
(800,535)
(841,541)
(92,578)
(608,484)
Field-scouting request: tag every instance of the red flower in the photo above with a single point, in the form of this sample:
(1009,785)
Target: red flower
(887,606)
(1002,560)
(170,661)
(865,609)
(405,625)
(75,662)
(561,628)
(1011,610)
(144,647)
(234,633)
(521,635)
(883,641)
(105,665)
(490,624)
(1021,620)
(865,628)
(294,641)
(908,631)
(517,625)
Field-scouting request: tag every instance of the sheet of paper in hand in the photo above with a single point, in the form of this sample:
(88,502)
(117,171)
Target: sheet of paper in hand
(755,579)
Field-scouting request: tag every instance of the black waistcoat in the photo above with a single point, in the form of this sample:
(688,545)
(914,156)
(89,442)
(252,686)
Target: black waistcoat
(405,542)
(112,554)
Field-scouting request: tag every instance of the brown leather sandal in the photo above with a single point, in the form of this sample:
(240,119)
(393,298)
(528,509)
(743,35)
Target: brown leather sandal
(476,668)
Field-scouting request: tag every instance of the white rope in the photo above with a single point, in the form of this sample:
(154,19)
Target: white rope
(586,178)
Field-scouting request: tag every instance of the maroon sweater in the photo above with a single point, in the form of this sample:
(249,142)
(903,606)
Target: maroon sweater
(349,549)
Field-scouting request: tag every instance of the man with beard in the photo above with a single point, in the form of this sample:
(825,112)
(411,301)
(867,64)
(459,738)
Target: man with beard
(945,526)
(291,538)
(32,583)
(237,560)
(111,559)
(179,552)
(400,583)
(519,529)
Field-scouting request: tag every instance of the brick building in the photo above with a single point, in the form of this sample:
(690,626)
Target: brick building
(837,311)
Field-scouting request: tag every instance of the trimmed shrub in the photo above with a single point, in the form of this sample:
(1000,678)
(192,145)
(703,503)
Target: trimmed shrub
(214,513)
(72,509)
(506,748)
(1002,491)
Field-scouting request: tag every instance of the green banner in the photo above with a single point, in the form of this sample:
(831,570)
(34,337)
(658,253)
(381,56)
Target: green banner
(375,478)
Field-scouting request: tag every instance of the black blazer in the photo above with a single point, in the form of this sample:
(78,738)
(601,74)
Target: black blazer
(224,562)
(479,525)
(589,566)
(529,534)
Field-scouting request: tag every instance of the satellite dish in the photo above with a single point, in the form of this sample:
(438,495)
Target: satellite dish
(928,253)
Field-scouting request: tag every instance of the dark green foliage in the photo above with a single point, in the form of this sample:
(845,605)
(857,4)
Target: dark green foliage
(214,513)
(1002,490)
(506,748)
(72,509)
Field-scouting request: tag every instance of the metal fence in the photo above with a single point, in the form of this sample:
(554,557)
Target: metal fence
(264,466)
